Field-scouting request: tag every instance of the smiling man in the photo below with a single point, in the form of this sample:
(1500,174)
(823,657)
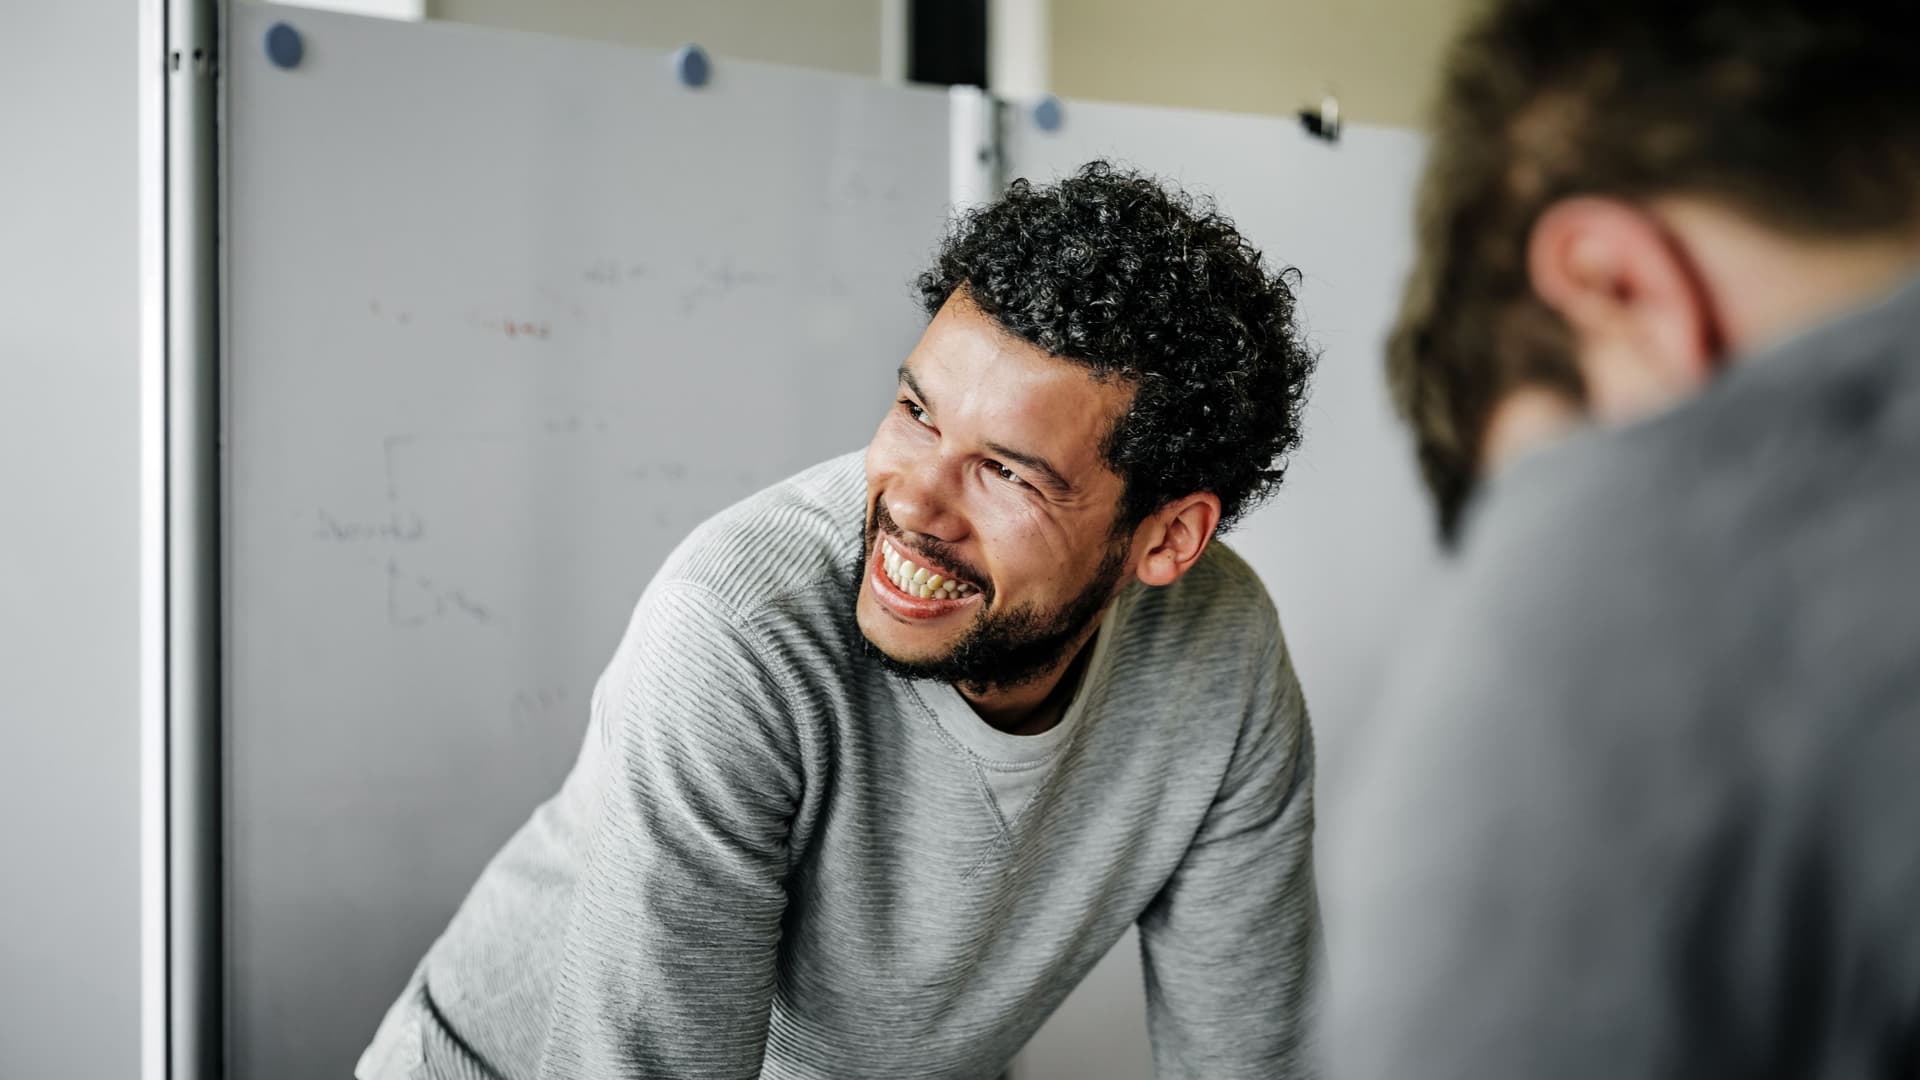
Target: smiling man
(894,752)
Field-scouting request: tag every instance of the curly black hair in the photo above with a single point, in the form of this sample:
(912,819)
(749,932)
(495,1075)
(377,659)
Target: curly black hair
(1137,281)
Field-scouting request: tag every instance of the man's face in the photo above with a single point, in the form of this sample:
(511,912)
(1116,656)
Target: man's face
(987,475)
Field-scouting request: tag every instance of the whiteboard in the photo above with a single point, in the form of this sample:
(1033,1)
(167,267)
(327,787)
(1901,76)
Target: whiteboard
(1346,544)
(507,316)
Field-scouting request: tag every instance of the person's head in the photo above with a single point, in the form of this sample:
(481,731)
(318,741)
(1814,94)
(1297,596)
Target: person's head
(1110,377)
(1622,197)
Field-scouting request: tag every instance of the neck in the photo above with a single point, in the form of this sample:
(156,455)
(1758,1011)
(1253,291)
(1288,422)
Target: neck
(1526,418)
(1037,705)
(1766,287)
(1771,286)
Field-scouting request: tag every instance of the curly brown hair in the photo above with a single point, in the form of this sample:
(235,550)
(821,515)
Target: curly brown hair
(1802,114)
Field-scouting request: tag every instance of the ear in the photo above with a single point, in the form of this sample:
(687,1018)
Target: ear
(1170,541)
(1643,329)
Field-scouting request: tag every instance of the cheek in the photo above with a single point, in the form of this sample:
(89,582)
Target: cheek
(1026,551)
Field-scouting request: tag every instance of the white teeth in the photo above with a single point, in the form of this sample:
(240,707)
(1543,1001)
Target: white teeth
(918,580)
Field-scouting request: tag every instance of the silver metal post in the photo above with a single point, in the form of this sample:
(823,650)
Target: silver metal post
(195,958)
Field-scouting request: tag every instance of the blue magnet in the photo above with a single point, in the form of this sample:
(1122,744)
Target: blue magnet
(691,66)
(284,46)
(1049,114)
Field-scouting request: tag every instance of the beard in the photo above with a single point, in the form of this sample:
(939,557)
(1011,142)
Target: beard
(1000,649)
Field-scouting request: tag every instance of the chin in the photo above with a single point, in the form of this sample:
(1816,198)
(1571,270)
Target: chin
(900,642)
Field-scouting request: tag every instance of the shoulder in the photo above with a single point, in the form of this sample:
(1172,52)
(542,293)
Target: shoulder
(1560,655)
(798,537)
(711,661)
(756,596)
(1209,649)
(1588,542)
(1220,606)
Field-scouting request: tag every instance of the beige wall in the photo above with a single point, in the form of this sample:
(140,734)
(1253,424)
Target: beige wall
(1274,56)
(837,35)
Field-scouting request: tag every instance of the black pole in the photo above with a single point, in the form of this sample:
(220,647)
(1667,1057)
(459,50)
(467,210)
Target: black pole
(947,42)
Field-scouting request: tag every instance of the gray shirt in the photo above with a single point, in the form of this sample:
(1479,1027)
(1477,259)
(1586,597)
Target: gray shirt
(1646,800)
(775,859)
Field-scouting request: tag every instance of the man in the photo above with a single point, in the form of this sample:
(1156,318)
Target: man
(894,751)
(1644,801)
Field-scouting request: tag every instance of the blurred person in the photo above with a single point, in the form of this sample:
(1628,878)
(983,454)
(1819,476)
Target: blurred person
(1644,799)
(893,752)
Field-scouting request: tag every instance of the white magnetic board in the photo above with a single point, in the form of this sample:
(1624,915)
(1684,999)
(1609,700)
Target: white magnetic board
(507,316)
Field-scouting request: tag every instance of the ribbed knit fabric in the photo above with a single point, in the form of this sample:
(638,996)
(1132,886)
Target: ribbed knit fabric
(774,859)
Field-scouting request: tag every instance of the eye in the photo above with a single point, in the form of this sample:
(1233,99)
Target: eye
(915,411)
(1007,474)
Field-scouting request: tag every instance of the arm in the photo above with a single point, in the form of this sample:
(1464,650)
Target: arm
(668,966)
(1231,944)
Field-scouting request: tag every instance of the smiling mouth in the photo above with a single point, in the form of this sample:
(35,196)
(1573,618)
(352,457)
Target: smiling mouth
(918,580)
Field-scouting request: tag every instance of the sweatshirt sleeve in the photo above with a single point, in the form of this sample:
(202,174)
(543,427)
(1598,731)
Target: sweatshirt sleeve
(1231,943)
(668,963)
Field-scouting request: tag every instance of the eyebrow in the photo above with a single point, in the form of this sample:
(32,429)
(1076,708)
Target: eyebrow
(1042,469)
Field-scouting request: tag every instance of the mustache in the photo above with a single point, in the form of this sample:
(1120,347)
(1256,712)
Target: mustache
(930,550)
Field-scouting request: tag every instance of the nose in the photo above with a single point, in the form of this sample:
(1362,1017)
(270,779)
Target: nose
(919,501)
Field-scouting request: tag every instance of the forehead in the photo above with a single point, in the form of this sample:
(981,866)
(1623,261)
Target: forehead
(985,384)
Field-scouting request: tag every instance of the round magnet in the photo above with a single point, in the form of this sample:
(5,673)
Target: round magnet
(284,46)
(1049,114)
(691,66)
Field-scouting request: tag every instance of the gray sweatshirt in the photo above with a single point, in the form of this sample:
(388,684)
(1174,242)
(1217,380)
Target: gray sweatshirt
(774,859)
(1645,799)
